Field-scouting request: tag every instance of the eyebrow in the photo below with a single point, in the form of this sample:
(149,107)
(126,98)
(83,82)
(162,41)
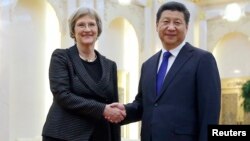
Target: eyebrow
(167,18)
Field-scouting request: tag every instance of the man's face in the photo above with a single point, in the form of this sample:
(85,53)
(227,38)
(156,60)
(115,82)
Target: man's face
(171,28)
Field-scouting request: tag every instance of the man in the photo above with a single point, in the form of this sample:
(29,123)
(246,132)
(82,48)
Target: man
(189,98)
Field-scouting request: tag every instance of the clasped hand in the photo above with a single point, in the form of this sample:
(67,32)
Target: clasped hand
(114,112)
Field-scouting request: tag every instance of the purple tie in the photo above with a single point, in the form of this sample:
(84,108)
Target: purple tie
(162,71)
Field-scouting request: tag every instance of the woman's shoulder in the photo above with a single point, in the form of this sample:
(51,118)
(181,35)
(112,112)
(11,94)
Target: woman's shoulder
(104,58)
(59,51)
(109,61)
(63,51)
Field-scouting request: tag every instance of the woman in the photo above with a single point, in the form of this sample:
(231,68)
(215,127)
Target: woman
(83,84)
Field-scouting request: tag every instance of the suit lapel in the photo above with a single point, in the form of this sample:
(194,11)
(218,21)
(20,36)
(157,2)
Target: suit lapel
(182,58)
(84,76)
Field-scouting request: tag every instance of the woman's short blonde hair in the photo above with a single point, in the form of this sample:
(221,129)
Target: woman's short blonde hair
(80,12)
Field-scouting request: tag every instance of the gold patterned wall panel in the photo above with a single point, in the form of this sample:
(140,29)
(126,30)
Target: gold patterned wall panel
(229,109)
(246,118)
(123,88)
(231,102)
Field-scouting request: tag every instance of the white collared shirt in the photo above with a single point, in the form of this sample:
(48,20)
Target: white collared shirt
(171,59)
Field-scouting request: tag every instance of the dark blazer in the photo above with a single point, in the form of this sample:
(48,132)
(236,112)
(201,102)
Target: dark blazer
(188,101)
(78,101)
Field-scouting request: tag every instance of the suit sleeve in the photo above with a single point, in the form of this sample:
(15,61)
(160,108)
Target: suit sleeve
(208,93)
(60,88)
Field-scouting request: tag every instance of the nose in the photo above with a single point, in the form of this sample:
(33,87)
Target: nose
(171,26)
(86,28)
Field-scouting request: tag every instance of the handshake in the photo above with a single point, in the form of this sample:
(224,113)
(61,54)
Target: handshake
(114,112)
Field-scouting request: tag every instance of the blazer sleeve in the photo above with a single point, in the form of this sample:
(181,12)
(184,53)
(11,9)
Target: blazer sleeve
(208,93)
(60,87)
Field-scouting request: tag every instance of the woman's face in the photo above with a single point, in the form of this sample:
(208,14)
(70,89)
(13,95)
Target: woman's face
(86,30)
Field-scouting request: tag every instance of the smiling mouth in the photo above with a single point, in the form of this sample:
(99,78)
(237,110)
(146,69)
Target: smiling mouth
(87,36)
(171,34)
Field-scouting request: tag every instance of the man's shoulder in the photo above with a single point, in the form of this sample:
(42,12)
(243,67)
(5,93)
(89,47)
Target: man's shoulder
(197,49)
(153,58)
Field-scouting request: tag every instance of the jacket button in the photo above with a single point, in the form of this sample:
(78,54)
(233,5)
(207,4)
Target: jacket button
(156,104)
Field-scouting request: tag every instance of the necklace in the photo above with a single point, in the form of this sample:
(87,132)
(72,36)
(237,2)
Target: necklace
(88,60)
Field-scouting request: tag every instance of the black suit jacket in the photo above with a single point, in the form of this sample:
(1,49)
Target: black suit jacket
(187,103)
(78,101)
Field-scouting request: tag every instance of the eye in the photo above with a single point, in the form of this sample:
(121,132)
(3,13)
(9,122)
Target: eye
(81,25)
(165,21)
(91,24)
(177,23)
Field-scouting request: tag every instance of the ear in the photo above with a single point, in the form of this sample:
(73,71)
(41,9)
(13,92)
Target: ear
(187,26)
(156,27)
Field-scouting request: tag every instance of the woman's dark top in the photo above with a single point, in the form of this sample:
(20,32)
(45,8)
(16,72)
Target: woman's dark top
(102,130)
